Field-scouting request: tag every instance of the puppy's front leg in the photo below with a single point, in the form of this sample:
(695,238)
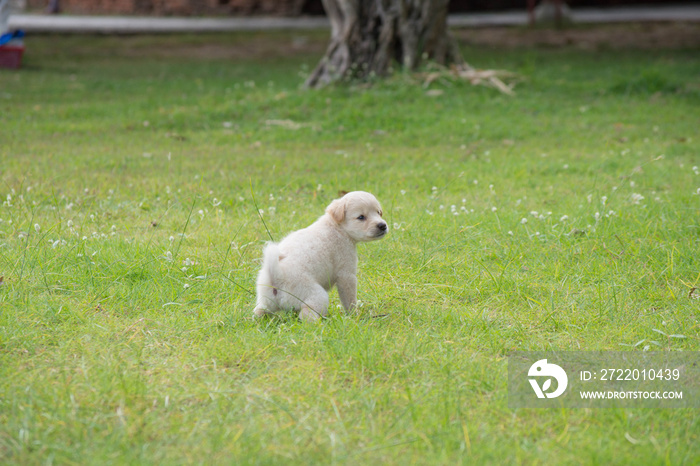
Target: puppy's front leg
(347,290)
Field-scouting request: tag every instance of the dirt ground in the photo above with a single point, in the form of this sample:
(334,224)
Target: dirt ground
(587,37)
(281,44)
(612,36)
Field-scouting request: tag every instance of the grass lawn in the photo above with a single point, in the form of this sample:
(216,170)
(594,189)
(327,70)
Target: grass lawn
(565,217)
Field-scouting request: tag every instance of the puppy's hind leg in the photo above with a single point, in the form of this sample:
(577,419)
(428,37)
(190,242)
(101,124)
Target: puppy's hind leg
(314,306)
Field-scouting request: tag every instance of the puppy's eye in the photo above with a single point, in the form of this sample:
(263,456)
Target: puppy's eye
(361,217)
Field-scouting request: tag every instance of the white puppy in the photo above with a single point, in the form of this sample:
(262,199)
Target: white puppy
(298,272)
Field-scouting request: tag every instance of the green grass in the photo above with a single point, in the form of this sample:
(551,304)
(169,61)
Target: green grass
(565,218)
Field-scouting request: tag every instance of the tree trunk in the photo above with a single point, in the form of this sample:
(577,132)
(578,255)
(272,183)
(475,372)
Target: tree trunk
(368,35)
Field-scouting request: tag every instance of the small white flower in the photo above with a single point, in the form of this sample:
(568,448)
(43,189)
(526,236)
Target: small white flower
(215,202)
(523,221)
(37,227)
(494,209)
(632,184)
(636,198)
(403,192)
(603,200)
(564,218)
(510,232)
(566,166)
(597,216)
(70,223)
(476,181)
(534,213)
(186,285)
(589,198)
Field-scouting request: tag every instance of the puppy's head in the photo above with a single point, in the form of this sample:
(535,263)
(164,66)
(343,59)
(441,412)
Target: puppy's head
(360,215)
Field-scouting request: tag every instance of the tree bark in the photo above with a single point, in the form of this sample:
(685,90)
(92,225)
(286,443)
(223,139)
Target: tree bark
(367,36)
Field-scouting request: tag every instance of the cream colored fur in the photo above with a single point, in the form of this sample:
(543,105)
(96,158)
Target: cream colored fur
(298,272)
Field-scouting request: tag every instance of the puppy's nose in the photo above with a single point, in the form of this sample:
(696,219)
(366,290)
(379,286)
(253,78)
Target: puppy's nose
(382,226)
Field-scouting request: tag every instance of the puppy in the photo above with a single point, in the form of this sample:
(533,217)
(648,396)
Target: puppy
(298,272)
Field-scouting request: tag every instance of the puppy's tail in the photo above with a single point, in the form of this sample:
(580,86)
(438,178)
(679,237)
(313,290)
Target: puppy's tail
(271,262)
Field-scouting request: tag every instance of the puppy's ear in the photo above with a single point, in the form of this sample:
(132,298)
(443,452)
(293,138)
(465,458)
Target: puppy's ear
(336,210)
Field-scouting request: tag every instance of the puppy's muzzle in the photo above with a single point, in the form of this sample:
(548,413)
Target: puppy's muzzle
(381,229)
